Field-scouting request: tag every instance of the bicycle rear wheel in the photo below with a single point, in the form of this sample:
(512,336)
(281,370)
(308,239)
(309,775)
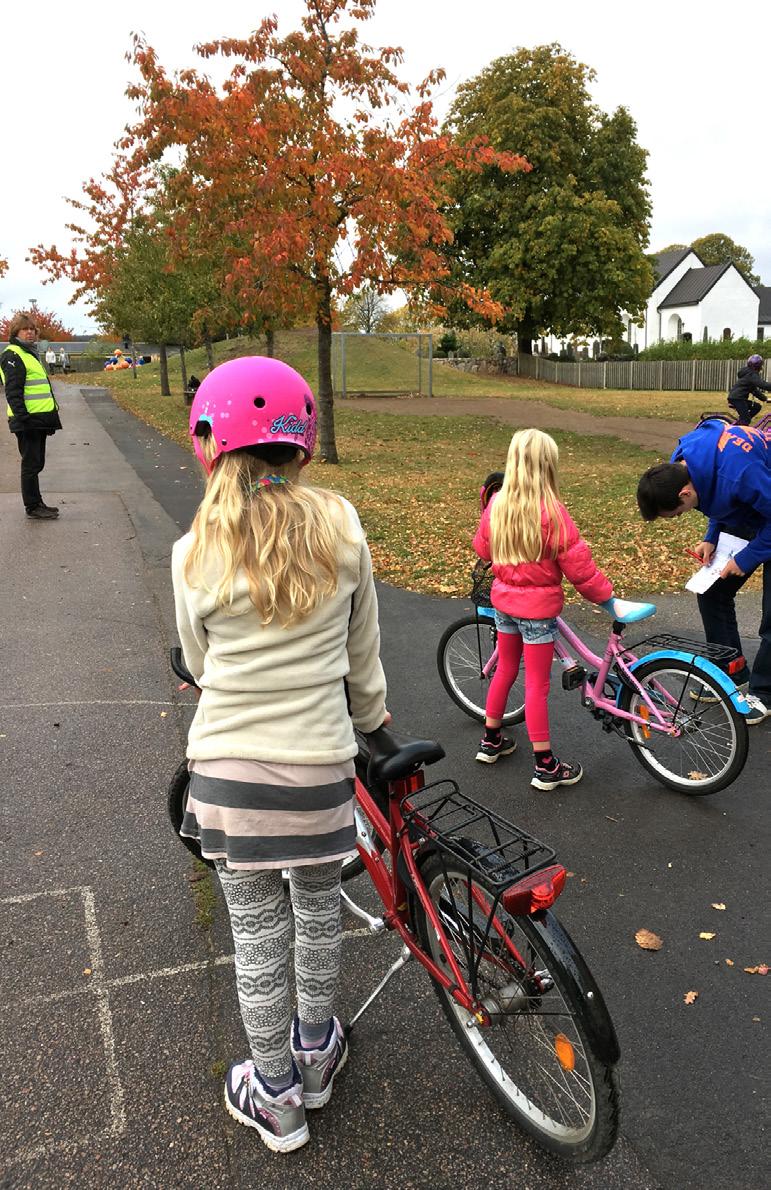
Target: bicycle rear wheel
(463,652)
(539,1055)
(711,748)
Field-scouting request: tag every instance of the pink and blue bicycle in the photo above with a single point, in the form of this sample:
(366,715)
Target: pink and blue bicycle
(670,699)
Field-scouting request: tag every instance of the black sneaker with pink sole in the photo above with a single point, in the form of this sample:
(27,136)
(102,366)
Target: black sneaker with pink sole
(561,773)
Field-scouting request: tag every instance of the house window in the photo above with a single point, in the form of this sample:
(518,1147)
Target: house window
(705,336)
(727,334)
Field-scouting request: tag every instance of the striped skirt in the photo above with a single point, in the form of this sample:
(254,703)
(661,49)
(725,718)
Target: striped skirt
(255,814)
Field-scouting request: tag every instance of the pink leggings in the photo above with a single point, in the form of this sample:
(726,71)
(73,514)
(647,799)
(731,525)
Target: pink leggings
(538,659)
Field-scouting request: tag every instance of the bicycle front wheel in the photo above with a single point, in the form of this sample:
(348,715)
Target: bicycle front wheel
(535,1055)
(463,653)
(709,745)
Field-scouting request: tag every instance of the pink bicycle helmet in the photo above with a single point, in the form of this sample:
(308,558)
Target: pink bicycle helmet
(253,401)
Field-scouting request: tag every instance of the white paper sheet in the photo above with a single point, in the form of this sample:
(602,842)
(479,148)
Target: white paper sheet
(727,547)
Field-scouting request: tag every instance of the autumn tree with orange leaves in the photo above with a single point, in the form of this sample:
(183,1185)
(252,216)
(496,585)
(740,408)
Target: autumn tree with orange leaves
(311,168)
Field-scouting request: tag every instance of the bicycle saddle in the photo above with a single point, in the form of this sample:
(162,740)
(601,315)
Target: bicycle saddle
(391,755)
(627,612)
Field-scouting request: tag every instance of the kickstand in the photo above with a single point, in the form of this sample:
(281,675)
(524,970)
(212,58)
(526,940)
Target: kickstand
(403,958)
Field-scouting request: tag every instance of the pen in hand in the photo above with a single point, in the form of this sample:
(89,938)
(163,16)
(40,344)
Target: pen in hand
(698,558)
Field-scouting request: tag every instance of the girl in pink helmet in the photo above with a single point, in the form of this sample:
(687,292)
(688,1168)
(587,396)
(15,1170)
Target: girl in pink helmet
(277,614)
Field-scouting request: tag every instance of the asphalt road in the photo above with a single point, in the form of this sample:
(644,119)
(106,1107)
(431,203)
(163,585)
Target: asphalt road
(120,1011)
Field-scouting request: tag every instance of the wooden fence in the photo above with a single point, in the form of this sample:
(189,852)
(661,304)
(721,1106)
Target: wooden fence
(696,375)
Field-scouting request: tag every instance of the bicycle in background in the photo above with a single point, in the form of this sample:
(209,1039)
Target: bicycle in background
(666,696)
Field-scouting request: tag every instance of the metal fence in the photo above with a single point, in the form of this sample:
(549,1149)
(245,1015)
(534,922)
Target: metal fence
(696,375)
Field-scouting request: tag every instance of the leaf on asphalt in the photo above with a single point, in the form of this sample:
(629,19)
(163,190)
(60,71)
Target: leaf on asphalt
(690,997)
(647,940)
(696,775)
(762,969)
(570,873)
(86,970)
(718,905)
(729,962)
(164,714)
(705,934)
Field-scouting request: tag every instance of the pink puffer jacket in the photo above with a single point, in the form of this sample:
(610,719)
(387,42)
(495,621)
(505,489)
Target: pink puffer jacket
(533,590)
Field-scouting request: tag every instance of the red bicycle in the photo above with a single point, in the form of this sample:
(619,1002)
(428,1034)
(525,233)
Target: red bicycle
(470,895)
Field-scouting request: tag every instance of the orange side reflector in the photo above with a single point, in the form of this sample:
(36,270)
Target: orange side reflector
(645,714)
(566,1055)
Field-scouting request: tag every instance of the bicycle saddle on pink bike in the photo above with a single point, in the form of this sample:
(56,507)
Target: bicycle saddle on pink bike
(627,612)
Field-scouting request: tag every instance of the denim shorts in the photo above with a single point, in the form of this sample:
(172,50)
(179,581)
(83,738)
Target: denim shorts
(533,632)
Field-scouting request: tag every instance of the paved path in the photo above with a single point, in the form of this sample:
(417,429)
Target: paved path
(655,434)
(119,1011)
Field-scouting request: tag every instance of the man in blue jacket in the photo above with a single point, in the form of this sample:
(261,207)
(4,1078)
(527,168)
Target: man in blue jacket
(725,472)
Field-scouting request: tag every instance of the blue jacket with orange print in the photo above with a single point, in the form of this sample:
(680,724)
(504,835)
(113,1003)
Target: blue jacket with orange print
(730,468)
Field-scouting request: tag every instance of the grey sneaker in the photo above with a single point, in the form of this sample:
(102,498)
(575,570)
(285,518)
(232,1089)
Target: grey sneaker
(758,709)
(279,1119)
(320,1067)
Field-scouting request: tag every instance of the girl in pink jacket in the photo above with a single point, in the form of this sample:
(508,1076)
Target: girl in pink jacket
(532,542)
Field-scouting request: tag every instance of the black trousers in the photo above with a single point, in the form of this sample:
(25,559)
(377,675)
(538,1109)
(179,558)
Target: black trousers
(745,408)
(718,613)
(32,448)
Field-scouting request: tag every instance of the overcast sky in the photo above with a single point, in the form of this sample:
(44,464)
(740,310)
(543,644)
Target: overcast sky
(693,75)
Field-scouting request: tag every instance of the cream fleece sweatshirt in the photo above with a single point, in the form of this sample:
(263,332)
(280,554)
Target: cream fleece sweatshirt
(277,694)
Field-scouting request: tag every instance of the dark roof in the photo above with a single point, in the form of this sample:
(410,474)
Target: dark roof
(694,285)
(664,262)
(764,293)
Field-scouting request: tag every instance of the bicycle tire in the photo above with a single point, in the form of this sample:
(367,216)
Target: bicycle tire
(176,800)
(711,752)
(574,1112)
(464,648)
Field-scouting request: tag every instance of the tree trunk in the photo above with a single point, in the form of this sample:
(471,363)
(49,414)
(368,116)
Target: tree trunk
(526,332)
(183,367)
(165,390)
(327,444)
(270,341)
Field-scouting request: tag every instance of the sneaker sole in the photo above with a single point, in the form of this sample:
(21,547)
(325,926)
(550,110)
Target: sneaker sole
(485,759)
(278,1144)
(537,783)
(320,1098)
(752,721)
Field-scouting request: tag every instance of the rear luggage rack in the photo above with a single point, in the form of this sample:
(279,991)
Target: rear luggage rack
(498,856)
(720,654)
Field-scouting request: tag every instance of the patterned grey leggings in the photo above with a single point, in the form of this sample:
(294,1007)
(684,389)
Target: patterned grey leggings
(260,921)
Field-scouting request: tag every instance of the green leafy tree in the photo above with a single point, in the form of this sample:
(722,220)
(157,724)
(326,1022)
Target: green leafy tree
(560,247)
(365,310)
(718,248)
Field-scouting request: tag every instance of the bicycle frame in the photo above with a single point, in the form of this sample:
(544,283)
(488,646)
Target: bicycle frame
(394,893)
(616,657)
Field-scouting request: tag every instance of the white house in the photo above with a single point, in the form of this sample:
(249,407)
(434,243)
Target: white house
(690,300)
(764,313)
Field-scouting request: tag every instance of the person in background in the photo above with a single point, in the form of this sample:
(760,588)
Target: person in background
(725,472)
(64,360)
(278,621)
(33,414)
(50,358)
(532,542)
(746,386)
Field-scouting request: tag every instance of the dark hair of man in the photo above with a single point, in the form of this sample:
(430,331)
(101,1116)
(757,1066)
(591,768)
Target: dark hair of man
(659,489)
(21,322)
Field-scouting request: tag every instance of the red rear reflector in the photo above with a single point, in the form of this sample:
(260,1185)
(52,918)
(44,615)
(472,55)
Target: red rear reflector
(735,666)
(535,892)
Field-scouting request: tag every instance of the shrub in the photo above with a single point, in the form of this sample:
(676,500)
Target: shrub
(713,349)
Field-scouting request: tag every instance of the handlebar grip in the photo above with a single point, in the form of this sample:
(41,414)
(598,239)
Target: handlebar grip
(179,667)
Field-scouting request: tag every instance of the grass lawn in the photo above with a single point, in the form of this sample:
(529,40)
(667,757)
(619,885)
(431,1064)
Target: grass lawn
(415,482)
(377,364)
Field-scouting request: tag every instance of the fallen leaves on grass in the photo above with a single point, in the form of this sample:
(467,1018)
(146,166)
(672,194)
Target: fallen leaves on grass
(690,997)
(647,940)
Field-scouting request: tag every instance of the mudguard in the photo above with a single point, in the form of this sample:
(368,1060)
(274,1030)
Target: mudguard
(486,613)
(708,667)
(575,975)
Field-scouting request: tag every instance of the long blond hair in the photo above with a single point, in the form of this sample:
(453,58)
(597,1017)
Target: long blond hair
(285,537)
(530,483)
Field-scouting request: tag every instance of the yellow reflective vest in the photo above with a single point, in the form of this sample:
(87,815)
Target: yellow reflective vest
(38,394)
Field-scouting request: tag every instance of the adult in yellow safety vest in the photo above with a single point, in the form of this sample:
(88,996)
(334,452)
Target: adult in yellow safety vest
(33,413)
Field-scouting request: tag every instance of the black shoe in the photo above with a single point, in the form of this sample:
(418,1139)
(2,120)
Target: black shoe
(488,752)
(50,508)
(562,774)
(42,513)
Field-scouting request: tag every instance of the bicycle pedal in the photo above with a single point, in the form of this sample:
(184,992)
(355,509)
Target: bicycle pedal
(574,677)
